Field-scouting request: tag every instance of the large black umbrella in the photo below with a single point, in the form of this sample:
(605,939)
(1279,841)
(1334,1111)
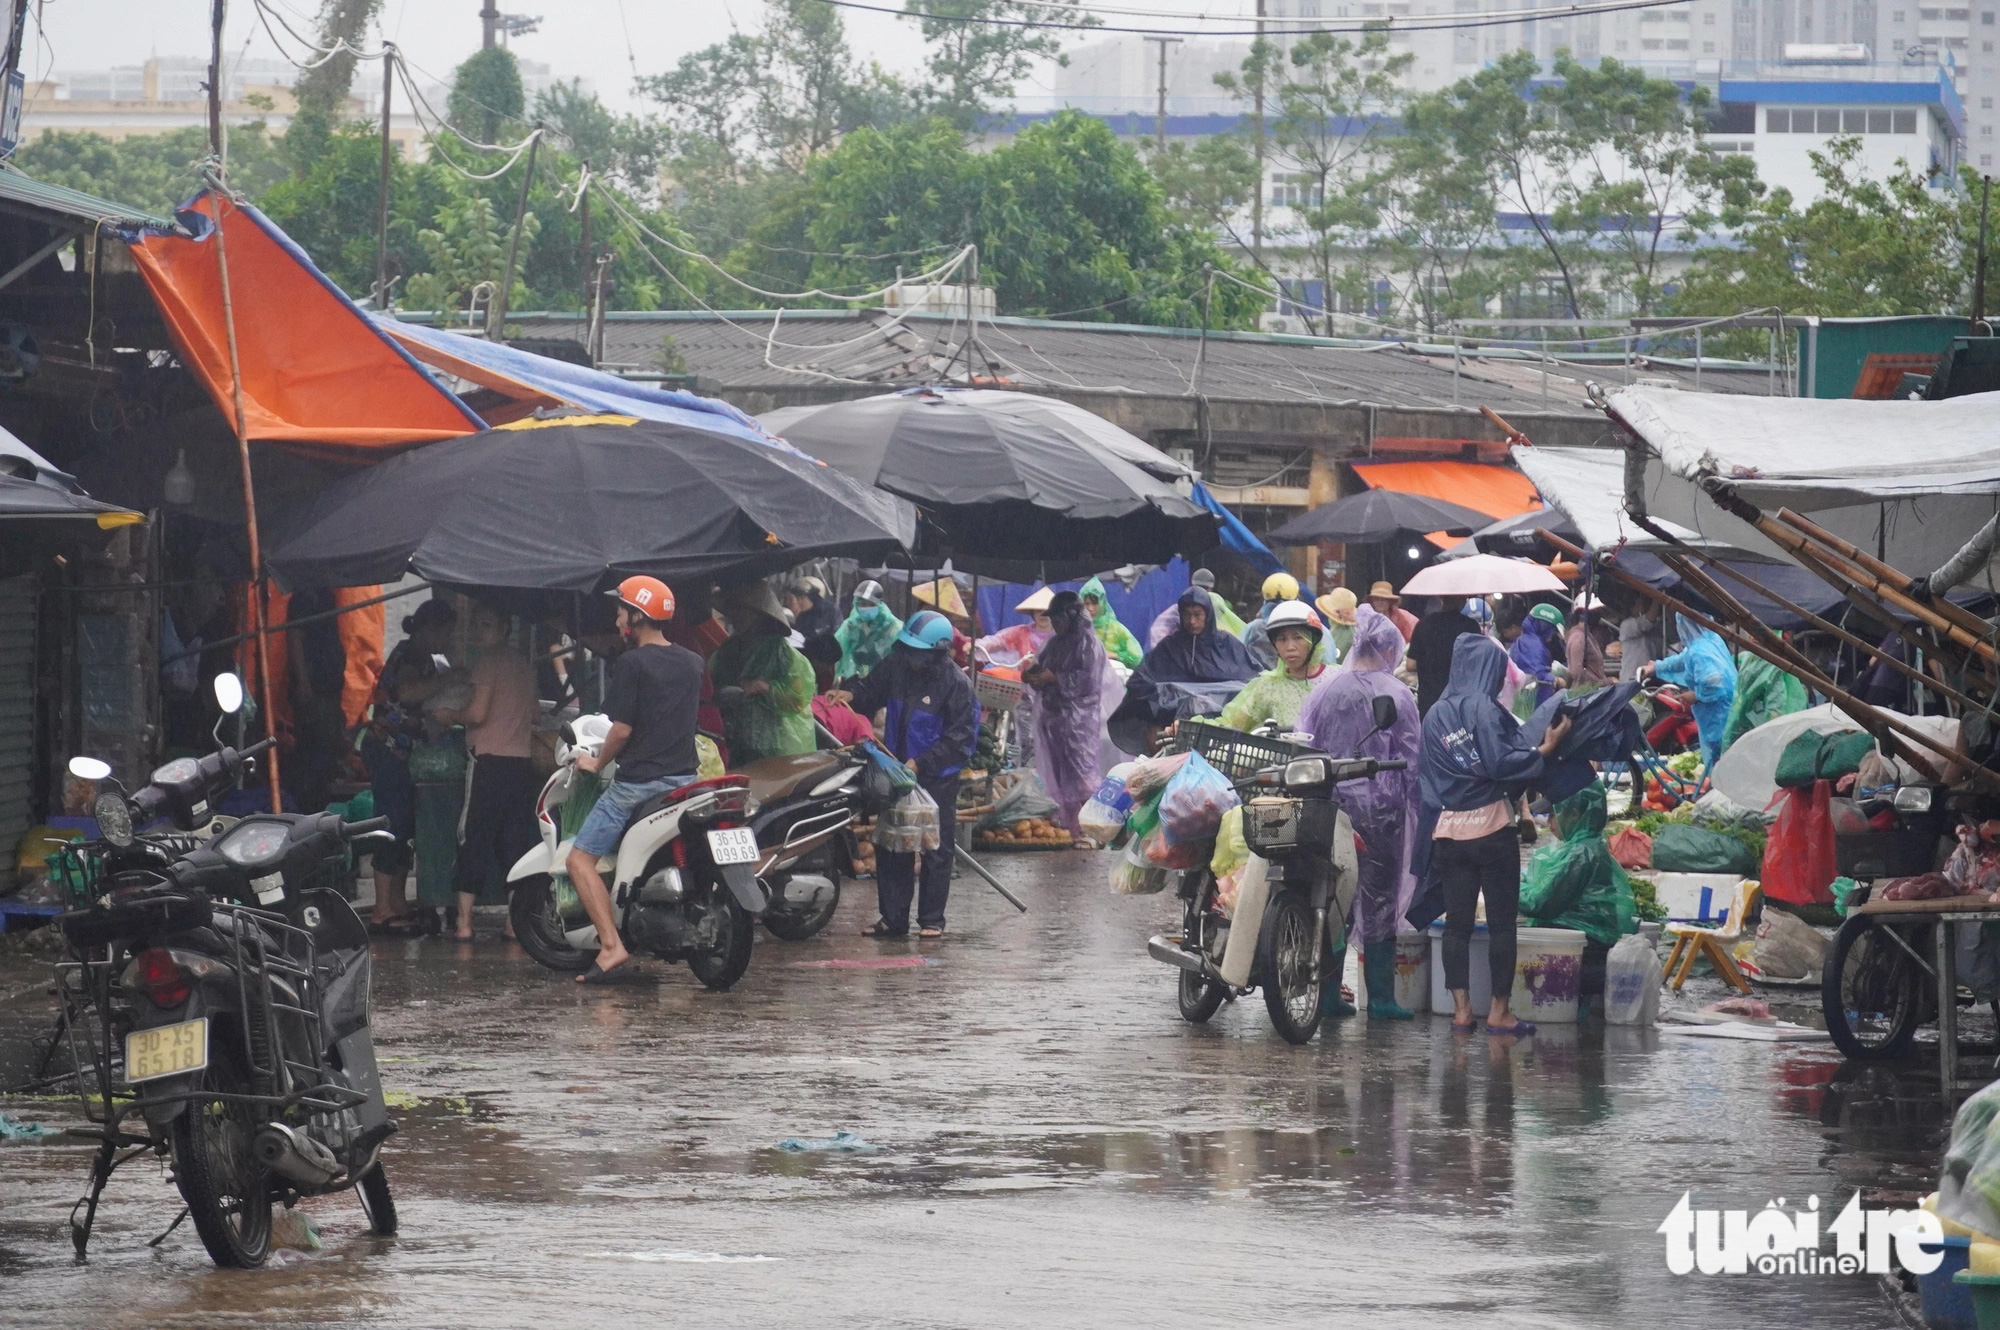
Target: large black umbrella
(556,505)
(33,502)
(1009,482)
(1377,514)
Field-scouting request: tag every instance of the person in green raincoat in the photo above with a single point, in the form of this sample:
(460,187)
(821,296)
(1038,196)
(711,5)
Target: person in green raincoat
(774,716)
(1763,692)
(1279,693)
(868,633)
(1575,883)
(1118,641)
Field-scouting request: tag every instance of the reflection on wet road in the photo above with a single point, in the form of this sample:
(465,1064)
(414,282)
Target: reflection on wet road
(1052,1146)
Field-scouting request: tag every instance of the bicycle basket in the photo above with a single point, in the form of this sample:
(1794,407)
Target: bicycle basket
(1234,753)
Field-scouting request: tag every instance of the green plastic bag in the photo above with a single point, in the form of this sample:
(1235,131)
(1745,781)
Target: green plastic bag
(571,813)
(1575,883)
(1813,756)
(1841,888)
(1683,848)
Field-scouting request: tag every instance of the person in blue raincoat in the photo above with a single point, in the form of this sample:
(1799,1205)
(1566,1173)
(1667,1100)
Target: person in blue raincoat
(1705,668)
(1539,647)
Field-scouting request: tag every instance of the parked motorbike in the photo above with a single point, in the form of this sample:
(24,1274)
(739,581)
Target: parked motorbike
(217,1003)
(807,805)
(1297,892)
(683,879)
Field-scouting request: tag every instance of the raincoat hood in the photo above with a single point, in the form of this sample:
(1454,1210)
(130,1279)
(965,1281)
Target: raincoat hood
(1210,656)
(1473,752)
(1118,641)
(1378,644)
(1478,668)
(865,638)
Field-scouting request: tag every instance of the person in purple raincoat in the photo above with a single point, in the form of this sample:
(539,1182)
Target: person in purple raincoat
(1339,714)
(1068,678)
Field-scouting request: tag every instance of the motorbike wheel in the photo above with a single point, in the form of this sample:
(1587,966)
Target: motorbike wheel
(721,965)
(377,1202)
(228,1193)
(539,929)
(1199,998)
(1873,992)
(1292,980)
(798,926)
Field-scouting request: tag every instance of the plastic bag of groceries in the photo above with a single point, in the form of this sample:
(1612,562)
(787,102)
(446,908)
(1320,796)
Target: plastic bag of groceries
(1149,775)
(1632,982)
(1232,855)
(1132,875)
(1969,1187)
(1103,815)
(1024,800)
(1194,801)
(910,824)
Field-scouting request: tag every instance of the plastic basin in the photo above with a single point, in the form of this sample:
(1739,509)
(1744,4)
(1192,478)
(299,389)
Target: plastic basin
(1985,1291)
(1413,972)
(1548,974)
(1948,1305)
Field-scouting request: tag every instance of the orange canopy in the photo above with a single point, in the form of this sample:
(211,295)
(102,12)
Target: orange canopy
(315,369)
(1495,490)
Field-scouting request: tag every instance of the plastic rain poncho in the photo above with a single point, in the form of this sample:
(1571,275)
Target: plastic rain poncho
(1118,641)
(1010,646)
(1705,668)
(778,723)
(865,639)
(1272,695)
(1168,619)
(1068,710)
(1536,650)
(1339,715)
(1575,883)
(1763,692)
(1210,656)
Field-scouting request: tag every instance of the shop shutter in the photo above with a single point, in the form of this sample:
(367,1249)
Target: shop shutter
(17,709)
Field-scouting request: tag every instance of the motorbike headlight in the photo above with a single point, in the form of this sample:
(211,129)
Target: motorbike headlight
(114,818)
(1307,771)
(1913,799)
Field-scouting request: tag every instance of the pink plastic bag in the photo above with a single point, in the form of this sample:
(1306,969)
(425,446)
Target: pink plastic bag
(1632,848)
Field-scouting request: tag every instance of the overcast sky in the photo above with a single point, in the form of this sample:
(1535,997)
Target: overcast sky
(585,38)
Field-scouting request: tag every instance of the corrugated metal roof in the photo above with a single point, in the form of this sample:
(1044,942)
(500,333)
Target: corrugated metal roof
(40,195)
(736,350)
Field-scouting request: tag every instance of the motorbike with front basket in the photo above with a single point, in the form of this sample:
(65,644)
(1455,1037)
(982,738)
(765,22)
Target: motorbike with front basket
(1296,895)
(216,1003)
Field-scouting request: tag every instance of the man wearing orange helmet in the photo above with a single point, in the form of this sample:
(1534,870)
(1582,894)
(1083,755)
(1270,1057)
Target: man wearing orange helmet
(652,700)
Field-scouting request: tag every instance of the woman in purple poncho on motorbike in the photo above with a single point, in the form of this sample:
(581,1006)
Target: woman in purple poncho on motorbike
(1339,715)
(1067,676)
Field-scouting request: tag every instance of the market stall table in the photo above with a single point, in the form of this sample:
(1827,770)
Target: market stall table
(1946,912)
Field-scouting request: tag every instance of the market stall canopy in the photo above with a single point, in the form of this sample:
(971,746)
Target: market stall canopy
(1377,514)
(1516,535)
(1483,575)
(1912,480)
(573,503)
(1496,491)
(531,381)
(1010,482)
(28,501)
(1587,485)
(316,370)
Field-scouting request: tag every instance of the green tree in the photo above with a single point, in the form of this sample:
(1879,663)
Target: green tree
(486,98)
(1864,247)
(978,52)
(467,249)
(624,148)
(322,90)
(330,209)
(158,172)
(1439,224)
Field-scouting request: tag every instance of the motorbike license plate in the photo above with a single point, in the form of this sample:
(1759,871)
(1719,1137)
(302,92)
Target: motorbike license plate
(733,845)
(166,1050)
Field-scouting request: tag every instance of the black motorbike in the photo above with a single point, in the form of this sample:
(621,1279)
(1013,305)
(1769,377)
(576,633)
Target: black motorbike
(217,1005)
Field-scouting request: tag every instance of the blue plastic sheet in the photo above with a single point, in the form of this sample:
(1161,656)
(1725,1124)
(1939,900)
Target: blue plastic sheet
(1136,609)
(1236,537)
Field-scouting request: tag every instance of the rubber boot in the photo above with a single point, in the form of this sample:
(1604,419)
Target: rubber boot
(1378,967)
(1331,1004)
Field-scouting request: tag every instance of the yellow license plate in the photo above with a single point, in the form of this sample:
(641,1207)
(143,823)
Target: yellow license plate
(166,1050)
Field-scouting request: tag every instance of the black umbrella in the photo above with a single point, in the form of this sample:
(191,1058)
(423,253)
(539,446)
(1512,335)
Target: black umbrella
(32,501)
(1010,482)
(564,506)
(1377,514)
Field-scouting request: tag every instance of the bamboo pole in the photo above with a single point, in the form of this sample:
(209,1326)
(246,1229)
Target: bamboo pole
(1964,618)
(1867,717)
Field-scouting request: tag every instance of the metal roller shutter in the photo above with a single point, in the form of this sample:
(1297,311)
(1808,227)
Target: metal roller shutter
(17,710)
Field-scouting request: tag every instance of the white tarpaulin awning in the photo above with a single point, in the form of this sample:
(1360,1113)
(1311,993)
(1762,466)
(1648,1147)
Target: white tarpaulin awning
(1587,485)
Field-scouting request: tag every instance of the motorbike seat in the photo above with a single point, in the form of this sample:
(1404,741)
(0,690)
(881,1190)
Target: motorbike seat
(781,777)
(671,797)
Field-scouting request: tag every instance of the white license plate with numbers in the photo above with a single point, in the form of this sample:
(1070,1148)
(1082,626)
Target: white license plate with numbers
(166,1050)
(733,845)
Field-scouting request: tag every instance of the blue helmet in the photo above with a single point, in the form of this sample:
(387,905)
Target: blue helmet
(927,630)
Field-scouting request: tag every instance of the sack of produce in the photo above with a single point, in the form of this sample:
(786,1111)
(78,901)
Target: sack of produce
(1684,848)
(1192,806)
(1022,800)
(1788,947)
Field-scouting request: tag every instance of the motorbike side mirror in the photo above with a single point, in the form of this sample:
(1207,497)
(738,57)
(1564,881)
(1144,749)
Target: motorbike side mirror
(1385,712)
(229,693)
(89,768)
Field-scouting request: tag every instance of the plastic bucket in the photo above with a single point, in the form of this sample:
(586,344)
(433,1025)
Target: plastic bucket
(1478,979)
(1548,974)
(1985,1290)
(1948,1305)
(1413,972)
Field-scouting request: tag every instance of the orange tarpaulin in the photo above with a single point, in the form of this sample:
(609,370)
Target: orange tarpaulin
(1494,490)
(361,638)
(315,369)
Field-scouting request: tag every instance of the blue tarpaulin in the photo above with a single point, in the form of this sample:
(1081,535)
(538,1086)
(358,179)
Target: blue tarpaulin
(1136,609)
(1236,537)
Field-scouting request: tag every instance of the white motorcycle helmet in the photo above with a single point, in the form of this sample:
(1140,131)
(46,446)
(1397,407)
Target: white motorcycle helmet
(1295,614)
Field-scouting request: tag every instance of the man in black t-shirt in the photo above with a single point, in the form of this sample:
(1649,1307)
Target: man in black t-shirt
(1430,647)
(652,701)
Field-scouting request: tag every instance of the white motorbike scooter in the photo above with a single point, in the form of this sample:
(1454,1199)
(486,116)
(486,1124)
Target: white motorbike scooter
(683,881)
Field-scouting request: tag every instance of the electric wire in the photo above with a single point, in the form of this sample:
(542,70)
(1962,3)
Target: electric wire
(1387,23)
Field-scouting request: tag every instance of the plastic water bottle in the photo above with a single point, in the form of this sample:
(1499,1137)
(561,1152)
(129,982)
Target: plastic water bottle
(1103,815)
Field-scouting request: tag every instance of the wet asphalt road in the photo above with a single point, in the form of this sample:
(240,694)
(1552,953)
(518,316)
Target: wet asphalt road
(1054,1147)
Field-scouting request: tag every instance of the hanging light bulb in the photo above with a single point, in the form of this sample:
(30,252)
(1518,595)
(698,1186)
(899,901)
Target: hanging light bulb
(1415,553)
(178,489)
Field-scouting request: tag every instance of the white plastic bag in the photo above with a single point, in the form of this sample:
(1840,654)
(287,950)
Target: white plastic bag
(910,824)
(1103,817)
(1632,982)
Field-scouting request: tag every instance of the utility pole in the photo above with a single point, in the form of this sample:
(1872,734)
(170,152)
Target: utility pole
(496,313)
(382,206)
(1257,149)
(1979,264)
(583,202)
(597,313)
(489,25)
(1160,120)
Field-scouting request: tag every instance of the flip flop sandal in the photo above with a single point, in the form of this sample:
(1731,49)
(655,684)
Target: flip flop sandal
(882,930)
(400,928)
(1466,1028)
(597,975)
(1521,1029)
(930,932)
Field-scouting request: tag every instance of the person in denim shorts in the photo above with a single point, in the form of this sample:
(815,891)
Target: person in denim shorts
(654,695)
